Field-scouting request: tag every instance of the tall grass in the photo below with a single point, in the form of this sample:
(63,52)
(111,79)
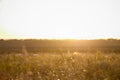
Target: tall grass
(72,66)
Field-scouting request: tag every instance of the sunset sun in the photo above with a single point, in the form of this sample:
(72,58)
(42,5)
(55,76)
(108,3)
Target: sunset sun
(60,19)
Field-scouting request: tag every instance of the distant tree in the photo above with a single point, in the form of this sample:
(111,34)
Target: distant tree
(1,39)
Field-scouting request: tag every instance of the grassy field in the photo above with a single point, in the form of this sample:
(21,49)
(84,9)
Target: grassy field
(65,66)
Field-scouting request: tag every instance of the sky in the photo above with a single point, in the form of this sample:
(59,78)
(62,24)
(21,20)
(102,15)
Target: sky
(59,19)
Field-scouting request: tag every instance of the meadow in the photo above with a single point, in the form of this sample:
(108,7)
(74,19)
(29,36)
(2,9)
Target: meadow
(69,66)
(51,63)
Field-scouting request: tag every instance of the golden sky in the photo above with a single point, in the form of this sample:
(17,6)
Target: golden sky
(60,19)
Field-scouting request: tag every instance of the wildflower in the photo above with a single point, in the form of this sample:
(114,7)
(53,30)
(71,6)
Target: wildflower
(84,70)
(76,53)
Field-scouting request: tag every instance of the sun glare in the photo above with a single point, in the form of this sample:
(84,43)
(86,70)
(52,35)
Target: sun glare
(60,19)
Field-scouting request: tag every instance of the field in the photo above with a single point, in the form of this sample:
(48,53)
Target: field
(69,66)
(45,63)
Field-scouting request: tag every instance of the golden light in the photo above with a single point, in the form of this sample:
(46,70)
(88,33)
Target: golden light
(60,19)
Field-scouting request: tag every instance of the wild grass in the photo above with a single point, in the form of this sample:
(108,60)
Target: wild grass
(72,66)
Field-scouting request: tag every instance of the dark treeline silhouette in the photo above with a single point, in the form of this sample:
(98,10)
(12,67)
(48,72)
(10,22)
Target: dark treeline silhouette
(44,45)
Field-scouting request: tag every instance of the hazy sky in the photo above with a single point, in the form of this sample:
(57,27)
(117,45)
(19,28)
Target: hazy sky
(60,19)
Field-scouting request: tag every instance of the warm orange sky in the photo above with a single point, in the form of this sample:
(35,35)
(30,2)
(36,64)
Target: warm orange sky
(60,19)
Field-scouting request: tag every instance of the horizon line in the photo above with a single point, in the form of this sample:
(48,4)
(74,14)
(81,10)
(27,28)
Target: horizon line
(57,39)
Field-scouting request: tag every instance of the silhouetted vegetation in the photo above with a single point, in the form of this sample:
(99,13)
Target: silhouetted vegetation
(32,59)
(44,45)
(72,66)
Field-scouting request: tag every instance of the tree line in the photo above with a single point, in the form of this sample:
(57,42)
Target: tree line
(60,45)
